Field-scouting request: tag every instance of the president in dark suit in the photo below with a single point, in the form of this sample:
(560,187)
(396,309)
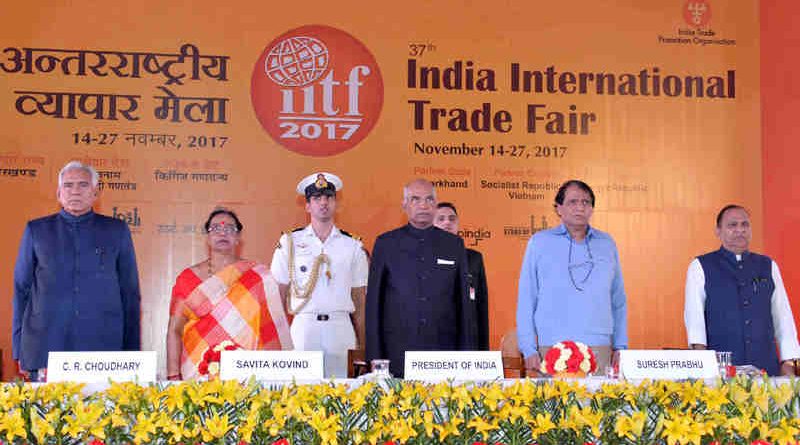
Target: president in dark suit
(76,285)
(417,293)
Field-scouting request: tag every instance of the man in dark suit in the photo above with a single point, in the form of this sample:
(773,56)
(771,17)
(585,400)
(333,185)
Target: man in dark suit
(76,285)
(417,294)
(447,220)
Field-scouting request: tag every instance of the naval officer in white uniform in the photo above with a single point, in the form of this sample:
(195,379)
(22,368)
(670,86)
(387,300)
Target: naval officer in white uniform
(322,276)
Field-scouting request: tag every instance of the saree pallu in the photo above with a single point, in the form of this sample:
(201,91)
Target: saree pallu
(240,303)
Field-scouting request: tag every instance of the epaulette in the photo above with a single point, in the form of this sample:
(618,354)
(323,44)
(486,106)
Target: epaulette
(278,244)
(355,237)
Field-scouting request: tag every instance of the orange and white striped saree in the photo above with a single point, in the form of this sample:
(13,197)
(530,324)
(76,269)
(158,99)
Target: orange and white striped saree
(240,303)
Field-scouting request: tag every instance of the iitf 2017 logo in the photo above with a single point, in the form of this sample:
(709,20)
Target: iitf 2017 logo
(317,90)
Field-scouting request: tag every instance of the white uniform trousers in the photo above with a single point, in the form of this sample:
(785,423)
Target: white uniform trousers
(332,333)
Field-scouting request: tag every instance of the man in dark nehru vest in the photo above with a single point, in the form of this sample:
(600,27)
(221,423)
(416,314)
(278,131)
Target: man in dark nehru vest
(417,294)
(76,285)
(735,301)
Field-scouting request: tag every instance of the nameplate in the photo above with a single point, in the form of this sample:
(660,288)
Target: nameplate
(240,364)
(668,365)
(437,366)
(102,366)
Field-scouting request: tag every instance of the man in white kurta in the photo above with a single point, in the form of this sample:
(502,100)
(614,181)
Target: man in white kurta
(322,275)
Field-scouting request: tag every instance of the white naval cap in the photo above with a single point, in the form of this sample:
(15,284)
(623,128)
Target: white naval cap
(319,183)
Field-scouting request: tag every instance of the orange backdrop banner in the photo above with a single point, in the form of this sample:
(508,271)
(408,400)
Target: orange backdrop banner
(182,109)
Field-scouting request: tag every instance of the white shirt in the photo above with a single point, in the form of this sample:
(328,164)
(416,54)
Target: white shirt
(782,319)
(348,269)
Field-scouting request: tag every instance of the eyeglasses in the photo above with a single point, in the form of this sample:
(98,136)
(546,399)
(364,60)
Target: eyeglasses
(588,265)
(222,229)
(572,203)
(417,201)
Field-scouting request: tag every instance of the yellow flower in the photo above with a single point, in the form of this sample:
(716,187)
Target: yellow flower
(402,430)
(406,404)
(548,390)
(690,392)
(784,434)
(512,411)
(679,431)
(42,427)
(428,423)
(177,432)
(542,424)
(570,423)
(522,391)
(742,425)
(174,397)
(14,395)
(87,418)
(118,419)
(714,398)
(782,394)
(14,426)
(374,435)
(738,394)
(387,409)
(585,417)
(450,428)
(439,392)
(123,393)
(493,395)
(143,428)
(482,426)
(358,396)
(326,426)
(462,396)
(760,397)
(201,394)
(630,426)
(215,427)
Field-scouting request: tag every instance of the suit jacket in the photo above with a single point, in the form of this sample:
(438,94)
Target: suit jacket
(76,288)
(477,281)
(417,295)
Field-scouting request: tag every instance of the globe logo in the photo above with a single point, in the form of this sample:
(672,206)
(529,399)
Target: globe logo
(315,98)
(296,61)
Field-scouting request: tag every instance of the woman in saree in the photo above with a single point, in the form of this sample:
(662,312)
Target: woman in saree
(221,301)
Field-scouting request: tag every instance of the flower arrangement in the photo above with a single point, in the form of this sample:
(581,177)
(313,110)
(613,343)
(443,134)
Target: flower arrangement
(569,358)
(739,411)
(209,366)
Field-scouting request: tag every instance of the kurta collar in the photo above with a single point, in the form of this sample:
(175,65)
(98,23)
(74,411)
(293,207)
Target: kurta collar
(72,219)
(732,256)
(419,233)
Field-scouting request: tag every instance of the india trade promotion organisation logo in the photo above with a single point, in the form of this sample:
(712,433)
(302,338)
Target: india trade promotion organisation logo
(697,13)
(317,90)
(696,27)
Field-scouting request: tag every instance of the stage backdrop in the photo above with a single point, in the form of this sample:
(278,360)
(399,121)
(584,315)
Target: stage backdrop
(186,106)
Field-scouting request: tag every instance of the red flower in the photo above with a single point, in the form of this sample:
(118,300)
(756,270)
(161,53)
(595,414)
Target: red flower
(280,442)
(573,356)
(550,359)
(97,442)
(202,368)
(760,442)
